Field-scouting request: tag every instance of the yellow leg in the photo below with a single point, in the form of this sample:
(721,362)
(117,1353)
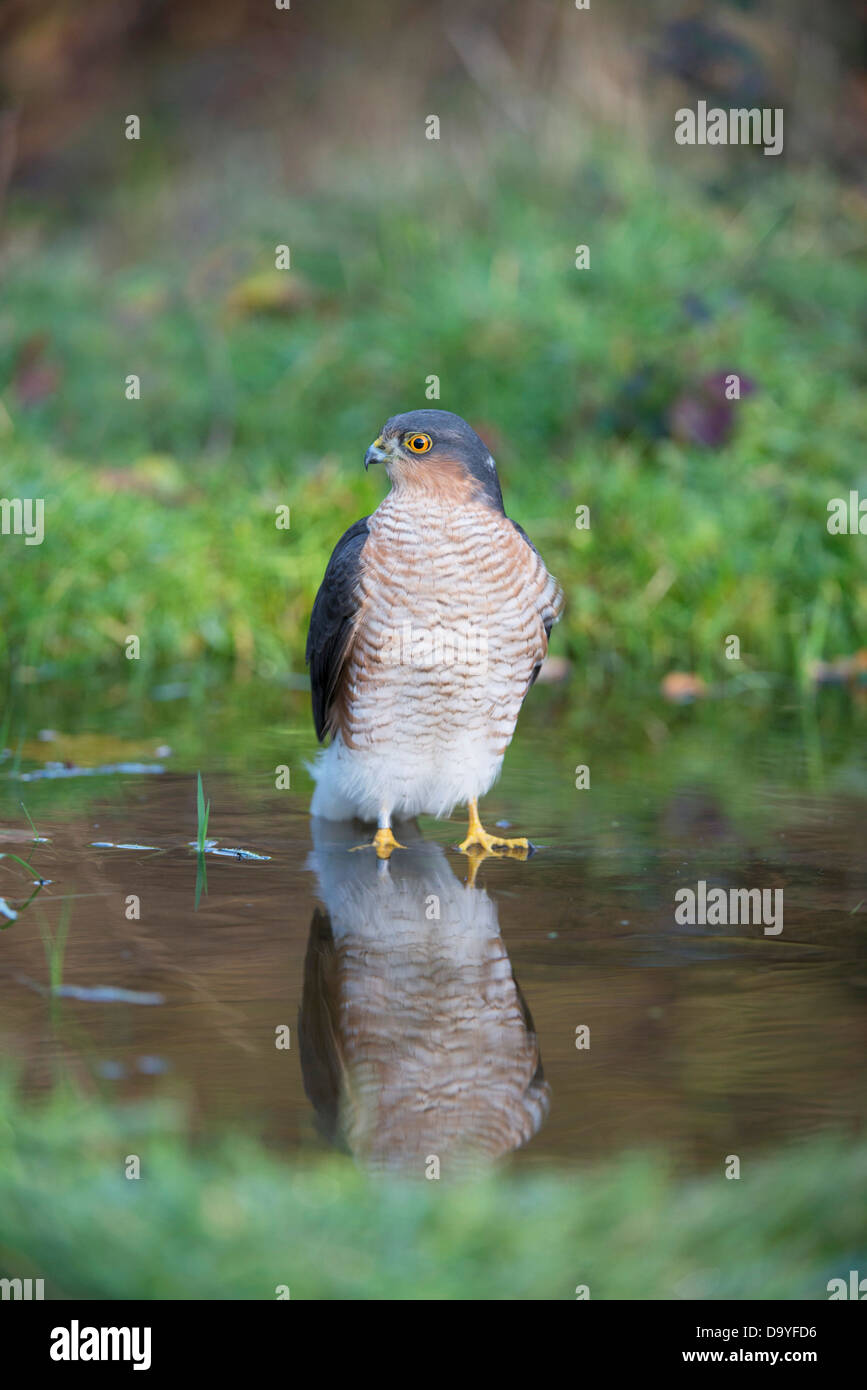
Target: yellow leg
(479,840)
(473,866)
(383,842)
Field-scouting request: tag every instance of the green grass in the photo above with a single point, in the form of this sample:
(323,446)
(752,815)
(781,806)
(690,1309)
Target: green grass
(54,946)
(27,866)
(231,1220)
(202,813)
(261,390)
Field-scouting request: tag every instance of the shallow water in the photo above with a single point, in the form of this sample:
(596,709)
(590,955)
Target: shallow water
(427,1016)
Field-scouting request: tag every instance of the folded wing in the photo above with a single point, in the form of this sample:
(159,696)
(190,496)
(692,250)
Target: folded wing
(333,623)
(544,592)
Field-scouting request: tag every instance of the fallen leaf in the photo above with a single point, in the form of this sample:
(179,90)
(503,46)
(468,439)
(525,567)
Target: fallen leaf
(682,687)
(272,292)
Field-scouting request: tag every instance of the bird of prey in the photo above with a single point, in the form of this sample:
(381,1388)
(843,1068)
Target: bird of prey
(428,629)
(414,1042)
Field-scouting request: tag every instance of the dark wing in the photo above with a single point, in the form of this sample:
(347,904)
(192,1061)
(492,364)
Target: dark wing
(551,599)
(332,621)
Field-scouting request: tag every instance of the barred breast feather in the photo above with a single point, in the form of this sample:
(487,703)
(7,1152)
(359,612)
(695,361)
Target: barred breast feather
(429,629)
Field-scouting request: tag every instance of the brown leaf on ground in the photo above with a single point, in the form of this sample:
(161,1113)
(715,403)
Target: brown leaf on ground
(703,415)
(554,670)
(36,377)
(843,670)
(155,475)
(682,687)
(272,292)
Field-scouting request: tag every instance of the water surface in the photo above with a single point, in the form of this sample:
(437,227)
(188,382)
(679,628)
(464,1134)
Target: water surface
(428,1016)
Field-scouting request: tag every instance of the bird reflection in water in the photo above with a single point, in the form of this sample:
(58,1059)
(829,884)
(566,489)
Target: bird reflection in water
(418,1050)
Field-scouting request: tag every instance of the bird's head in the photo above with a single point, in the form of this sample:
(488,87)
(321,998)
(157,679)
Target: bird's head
(436,451)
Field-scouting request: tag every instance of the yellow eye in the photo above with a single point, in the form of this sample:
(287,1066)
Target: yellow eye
(419,443)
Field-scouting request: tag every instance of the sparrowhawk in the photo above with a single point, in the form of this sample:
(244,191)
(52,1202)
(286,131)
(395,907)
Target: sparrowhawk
(428,629)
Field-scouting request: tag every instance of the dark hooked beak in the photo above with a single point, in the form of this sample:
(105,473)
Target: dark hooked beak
(376,453)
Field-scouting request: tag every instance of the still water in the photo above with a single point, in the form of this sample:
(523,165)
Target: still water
(553,1010)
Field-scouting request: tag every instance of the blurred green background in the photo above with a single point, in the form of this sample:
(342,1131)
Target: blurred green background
(412,258)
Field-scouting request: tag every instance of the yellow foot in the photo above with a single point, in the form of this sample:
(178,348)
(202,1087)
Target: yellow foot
(483,843)
(478,841)
(383,842)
